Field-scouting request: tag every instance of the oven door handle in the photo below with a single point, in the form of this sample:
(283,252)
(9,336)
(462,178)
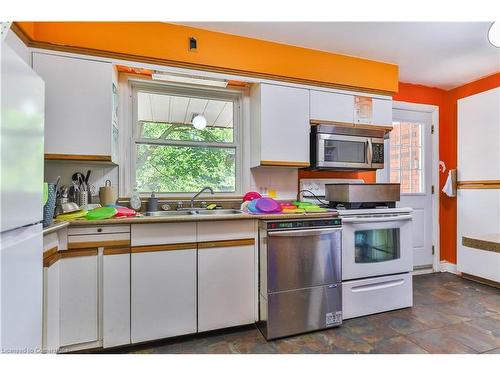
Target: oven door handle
(303,232)
(357,220)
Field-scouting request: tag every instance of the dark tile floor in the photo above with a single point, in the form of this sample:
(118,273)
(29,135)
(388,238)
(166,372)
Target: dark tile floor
(450,315)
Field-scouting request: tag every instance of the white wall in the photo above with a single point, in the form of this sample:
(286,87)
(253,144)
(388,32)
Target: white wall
(283,180)
(100,173)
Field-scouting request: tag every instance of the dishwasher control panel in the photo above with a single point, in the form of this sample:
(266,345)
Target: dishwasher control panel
(303,224)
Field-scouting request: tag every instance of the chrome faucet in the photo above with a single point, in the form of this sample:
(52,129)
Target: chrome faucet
(201,191)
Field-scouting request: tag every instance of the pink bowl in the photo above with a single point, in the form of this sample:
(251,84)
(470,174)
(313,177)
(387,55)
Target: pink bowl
(251,195)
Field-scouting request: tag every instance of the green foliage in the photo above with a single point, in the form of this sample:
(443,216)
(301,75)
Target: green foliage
(178,169)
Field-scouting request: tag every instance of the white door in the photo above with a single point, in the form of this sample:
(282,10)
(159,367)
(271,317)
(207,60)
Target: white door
(409,162)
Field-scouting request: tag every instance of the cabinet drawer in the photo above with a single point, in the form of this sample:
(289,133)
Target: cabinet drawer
(227,230)
(163,233)
(99,229)
(377,294)
(98,240)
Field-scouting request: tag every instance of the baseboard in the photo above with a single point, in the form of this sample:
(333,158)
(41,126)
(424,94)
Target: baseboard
(422,270)
(478,279)
(448,267)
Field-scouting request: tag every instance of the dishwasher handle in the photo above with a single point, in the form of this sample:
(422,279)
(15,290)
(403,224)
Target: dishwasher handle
(304,232)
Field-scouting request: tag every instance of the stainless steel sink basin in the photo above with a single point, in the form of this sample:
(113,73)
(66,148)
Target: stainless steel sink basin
(193,212)
(169,213)
(219,212)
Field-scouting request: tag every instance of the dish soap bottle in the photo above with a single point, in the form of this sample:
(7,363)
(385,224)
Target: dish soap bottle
(135,200)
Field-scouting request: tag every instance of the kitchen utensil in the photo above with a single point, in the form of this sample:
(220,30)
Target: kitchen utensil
(268,205)
(101,213)
(82,198)
(50,206)
(87,186)
(107,194)
(45,193)
(90,206)
(68,207)
(251,206)
(72,215)
(87,177)
(58,179)
(251,195)
(287,205)
(124,212)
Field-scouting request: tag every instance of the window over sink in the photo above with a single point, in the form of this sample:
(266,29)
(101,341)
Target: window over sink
(172,155)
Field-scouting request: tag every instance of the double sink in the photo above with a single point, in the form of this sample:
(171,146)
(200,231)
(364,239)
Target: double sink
(194,211)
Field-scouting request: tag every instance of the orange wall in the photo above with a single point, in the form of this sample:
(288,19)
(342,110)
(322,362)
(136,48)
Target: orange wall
(164,41)
(447,102)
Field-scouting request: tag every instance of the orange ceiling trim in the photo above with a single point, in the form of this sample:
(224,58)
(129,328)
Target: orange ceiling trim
(165,42)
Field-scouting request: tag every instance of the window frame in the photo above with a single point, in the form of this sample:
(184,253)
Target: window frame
(422,156)
(233,95)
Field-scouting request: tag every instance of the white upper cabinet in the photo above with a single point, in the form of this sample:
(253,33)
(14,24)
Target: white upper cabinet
(382,112)
(479,136)
(80,106)
(280,126)
(341,108)
(331,106)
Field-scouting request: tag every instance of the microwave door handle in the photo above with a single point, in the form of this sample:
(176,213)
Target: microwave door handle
(369,152)
(357,220)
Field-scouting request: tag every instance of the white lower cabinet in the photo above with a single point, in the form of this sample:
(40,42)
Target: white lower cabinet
(79,300)
(116,298)
(163,293)
(225,286)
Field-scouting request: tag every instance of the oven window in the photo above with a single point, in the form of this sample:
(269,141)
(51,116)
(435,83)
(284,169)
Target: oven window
(345,151)
(376,245)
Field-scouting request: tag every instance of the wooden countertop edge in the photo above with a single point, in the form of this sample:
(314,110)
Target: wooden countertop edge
(481,244)
(191,218)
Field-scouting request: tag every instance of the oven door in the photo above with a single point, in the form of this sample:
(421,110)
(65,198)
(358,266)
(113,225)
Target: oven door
(339,151)
(373,246)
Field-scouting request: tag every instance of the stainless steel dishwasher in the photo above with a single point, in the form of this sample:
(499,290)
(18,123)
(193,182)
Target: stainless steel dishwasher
(300,280)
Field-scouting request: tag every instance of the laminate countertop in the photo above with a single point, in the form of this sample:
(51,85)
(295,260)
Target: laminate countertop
(56,226)
(190,218)
(488,242)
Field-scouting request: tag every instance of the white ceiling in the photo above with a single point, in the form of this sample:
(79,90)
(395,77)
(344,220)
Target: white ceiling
(440,54)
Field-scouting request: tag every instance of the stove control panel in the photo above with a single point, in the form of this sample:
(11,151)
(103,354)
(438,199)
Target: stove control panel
(303,224)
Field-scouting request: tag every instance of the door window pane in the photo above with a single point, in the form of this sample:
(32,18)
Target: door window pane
(376,245)
(406,156)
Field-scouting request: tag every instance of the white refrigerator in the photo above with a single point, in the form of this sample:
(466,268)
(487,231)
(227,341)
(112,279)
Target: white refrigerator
(21,190)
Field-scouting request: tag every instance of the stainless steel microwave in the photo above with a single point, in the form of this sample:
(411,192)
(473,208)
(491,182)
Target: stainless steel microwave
(346,148)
